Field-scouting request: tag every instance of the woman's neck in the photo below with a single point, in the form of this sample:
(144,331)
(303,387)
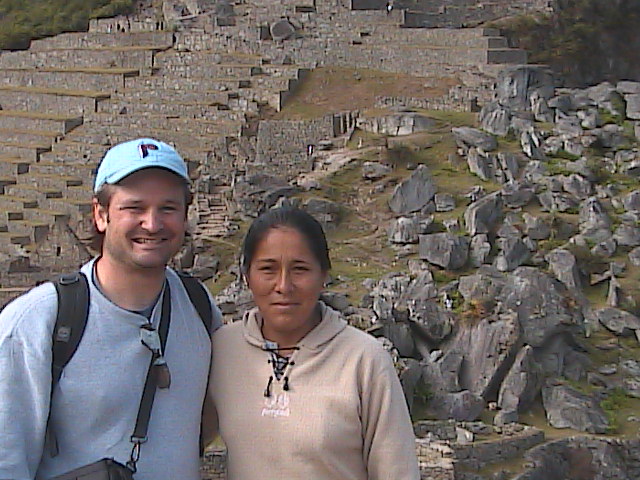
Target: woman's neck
(288,338)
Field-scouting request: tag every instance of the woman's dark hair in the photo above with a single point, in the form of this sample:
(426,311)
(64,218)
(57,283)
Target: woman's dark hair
(291,217)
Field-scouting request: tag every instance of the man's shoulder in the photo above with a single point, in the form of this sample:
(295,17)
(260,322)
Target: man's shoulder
(38,306)
(178,278)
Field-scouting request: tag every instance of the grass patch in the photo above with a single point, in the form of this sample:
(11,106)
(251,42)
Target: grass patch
(327,90)
(20,22)
(615,401)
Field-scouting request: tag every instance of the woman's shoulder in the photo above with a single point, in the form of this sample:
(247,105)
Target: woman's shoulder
(363,341)
(228,333)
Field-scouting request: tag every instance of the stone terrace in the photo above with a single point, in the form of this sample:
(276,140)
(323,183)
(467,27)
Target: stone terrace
(133,84)
(70,97)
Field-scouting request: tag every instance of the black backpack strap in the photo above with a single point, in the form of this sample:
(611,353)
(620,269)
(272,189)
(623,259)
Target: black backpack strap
(73,310)
(199,297)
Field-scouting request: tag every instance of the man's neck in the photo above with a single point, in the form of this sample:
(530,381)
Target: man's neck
(129,288)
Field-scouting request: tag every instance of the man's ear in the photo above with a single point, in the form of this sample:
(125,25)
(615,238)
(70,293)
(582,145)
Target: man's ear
(100,216)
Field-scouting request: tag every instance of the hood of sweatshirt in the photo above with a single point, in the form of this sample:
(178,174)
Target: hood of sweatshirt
(331,325)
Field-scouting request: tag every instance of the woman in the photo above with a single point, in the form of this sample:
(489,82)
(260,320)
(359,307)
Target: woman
(299,394)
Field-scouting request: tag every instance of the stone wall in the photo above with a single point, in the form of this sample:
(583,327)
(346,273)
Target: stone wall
(280,142)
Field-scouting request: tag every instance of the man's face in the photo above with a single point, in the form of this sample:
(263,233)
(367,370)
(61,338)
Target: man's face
(145,222)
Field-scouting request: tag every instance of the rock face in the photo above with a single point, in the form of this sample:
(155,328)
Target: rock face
(468,137)
(446,250)
(585,458)
(481,373)
(482,216)
(414,193)
(618,321)
(519,388)
(568,408)
(540,303)
(395,124)
(521,92)
(564,267)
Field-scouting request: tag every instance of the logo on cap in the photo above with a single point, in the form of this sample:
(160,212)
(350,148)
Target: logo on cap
(144,148)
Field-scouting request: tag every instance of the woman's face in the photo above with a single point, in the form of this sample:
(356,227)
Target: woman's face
(286,280)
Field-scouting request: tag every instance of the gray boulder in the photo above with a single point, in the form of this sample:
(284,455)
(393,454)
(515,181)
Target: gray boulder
(480,373)
(374,171)
(484,285)
(517,194)
(401,336)
(460,406)
(513,253)
(634,257)
(430,321)
(593,216)
(404,230)
(446,250)
(564,267)
(617,321)
(483,215)
(589,118)
(495,119)
(336,300)
(561,356)
(531,143)
(541,304)
(519,388)
(508,167)
(413,193)
(517,85)
(627,86)
(577,186)
(282,30)
(325,211)
(386,293)
(567,408)
(633,106)
(540,107)
(479,249)
(582,457)
(536,228)
(631,201)
(467,137)
(444,202)
(605,248)
(480,165)
(396,124)
(627,235)
(557,202)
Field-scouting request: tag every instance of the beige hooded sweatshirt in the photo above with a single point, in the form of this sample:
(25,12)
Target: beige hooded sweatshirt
(338,412)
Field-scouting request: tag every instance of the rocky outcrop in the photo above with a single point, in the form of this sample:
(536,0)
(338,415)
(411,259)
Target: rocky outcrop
(414,193)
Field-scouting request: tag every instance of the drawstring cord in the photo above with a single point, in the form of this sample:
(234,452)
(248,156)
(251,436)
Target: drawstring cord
(267,391)
(279,364)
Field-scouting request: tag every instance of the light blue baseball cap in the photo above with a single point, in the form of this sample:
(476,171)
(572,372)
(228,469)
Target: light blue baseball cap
(129,157)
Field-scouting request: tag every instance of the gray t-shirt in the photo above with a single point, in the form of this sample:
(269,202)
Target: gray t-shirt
(96,401)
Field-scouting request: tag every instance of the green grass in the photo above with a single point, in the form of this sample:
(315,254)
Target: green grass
(21,21)
(612,405)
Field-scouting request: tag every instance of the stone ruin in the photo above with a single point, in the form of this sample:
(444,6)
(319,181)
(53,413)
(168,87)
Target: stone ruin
(200,74)
(202,87)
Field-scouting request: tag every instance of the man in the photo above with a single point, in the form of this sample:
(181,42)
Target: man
(141,196)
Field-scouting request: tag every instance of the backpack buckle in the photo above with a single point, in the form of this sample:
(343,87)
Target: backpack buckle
(69,279)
